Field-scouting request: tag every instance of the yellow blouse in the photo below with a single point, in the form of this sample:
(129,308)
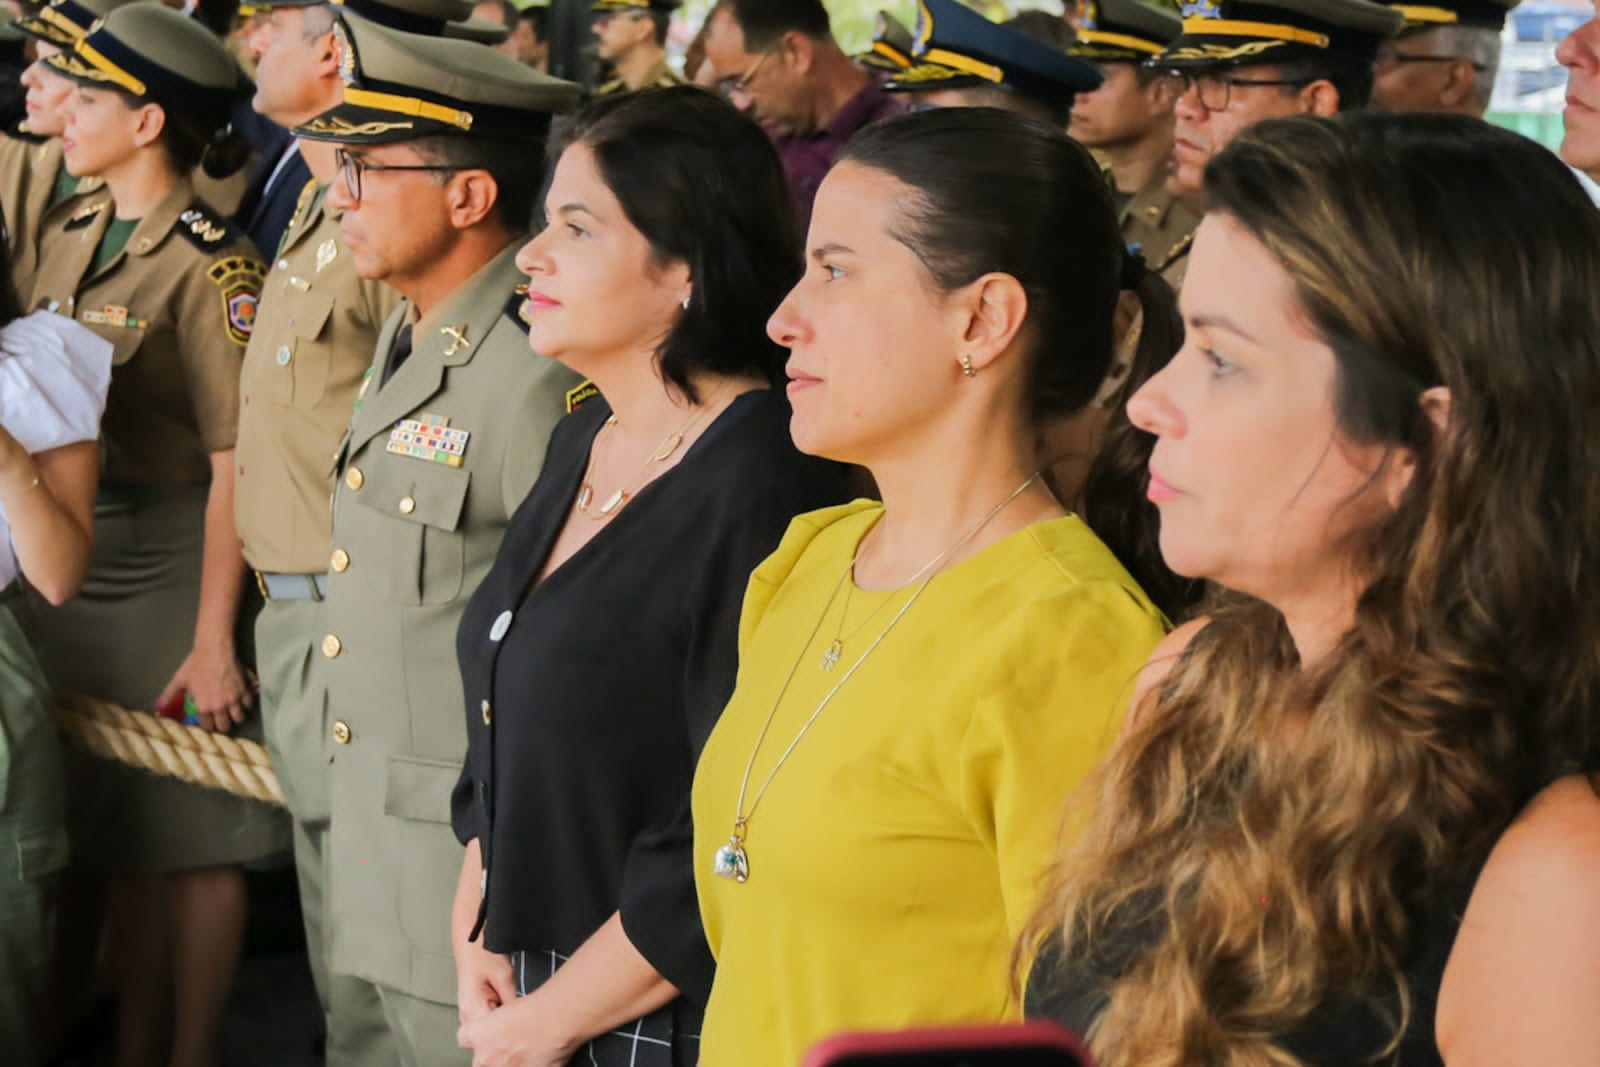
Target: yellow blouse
(899,850)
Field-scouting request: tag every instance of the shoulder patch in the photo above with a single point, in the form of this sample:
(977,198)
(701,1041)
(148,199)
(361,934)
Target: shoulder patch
(204,227)
(84,215)
(239,278)
(579,394)
(517,309)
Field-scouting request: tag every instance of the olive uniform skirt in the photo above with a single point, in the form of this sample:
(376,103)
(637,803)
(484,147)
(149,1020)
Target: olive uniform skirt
(33,837)
(121,639)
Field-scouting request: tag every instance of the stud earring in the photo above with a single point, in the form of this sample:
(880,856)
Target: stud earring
(966,366)
(686,303)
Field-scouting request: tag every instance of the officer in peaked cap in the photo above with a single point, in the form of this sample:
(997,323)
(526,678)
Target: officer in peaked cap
(631,38)
(1445,59)
(892,45)
(1241,61)
(440,157)
(316,328)
(1128,120)
(961,59)
(34,186)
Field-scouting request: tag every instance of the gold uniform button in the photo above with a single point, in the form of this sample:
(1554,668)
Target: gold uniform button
(407,505)
(340,561)
(341,732)
(332,646)
(488,714)
(354,478)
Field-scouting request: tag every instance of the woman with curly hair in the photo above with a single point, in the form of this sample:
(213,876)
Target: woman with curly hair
(1355,819)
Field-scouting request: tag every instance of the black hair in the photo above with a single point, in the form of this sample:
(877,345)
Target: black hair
(535,17)
(662,22)
(764,22)
(703,184)
(198,133)
(10,300)
(1349,76)
(993,191)
(1043,27)
(515,164)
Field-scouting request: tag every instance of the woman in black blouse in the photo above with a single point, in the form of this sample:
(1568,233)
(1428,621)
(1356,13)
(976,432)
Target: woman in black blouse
(600,649)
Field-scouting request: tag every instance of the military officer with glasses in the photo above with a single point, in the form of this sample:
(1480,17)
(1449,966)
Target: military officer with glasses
(631,38)
(1444,60)
(439,150)
(1239,62)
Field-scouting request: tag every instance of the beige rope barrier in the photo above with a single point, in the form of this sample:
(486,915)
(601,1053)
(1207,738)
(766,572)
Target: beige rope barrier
(188,753)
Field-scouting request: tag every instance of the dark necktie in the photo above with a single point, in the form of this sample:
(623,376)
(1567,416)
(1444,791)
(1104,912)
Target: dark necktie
(399,352)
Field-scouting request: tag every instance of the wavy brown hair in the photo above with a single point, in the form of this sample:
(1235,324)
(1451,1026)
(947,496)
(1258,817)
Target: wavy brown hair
(1267,834)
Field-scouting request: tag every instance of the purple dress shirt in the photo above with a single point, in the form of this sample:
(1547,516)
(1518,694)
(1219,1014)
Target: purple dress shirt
(807,156)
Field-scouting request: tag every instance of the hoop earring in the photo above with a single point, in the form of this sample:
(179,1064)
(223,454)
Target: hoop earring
(966,366)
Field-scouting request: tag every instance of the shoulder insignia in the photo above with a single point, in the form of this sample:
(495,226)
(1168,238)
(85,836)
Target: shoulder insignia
(1177,252)
(205,229)
(517,309)
(578,395)
(308,193)
(84,215)
(239,278)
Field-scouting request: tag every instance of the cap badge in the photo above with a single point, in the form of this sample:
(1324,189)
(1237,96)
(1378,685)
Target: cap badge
(1202,9)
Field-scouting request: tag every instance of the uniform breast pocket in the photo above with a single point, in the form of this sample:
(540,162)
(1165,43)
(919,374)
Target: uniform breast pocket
(125,342)
(295,366)
(418,557)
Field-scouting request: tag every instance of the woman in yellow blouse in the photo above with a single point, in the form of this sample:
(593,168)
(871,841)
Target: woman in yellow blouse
(922,682)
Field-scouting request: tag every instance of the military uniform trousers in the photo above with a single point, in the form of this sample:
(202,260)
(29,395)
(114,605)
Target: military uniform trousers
(294,712)
(121,639)
(33,838)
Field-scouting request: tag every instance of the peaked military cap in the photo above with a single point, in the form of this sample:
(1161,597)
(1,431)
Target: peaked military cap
(153,53)
(891,45)
(1234,32)
(611,7)
(483,31)
(1476,14)
(64,22)
(1124,31)
(401,86)
(957,48)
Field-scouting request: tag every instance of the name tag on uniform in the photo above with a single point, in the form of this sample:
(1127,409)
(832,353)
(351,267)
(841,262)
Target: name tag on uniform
(429,437)
(112,315)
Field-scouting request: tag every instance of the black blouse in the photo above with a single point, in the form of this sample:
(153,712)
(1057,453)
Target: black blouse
(590,694)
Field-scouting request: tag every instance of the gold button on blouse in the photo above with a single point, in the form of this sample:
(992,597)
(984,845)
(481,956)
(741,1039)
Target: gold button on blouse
(354,478)
(340,561)
(407,505)
(341,732)
(332,646)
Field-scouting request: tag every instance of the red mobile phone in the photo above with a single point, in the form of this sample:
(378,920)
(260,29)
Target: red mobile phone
(1034,1044)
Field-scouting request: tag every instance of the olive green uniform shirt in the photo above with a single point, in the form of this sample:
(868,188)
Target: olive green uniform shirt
(1155,221)
(418,525)
(28,173)
(314,337)
(177,304)
(660,76)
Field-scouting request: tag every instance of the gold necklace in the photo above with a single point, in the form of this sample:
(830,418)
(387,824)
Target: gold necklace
(664,451)
(732,860)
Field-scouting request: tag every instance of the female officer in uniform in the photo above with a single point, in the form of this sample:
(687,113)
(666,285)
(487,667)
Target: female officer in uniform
(158,273)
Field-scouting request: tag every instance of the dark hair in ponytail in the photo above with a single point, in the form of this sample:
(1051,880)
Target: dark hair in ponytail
(999,192)
(198,133)
(1114,503)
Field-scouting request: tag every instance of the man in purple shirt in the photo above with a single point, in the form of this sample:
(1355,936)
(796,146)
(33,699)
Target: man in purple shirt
(777,59)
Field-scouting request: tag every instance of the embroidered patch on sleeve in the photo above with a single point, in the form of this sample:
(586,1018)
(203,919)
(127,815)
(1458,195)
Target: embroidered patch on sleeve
(239,278)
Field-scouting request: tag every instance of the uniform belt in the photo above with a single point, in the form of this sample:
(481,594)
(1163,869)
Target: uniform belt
(292,586)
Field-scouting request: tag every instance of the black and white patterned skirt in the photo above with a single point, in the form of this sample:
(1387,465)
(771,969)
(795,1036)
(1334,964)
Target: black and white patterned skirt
(667,1037)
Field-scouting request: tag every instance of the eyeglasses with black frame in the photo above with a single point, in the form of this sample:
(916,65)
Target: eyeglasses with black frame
(352,168)
(1215,87)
